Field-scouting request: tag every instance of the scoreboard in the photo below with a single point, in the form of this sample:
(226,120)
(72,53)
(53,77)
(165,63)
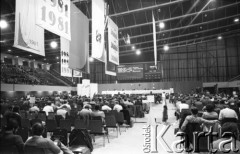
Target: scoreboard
(145,71)
(130,71)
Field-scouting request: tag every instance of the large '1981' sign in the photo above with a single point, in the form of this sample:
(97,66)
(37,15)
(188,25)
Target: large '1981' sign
(54,16)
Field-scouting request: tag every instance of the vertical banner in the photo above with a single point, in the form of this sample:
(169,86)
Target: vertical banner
(65,70)
(154,40)
(113,47)
(54,16)
(79,44)
(28,36)
(98,26)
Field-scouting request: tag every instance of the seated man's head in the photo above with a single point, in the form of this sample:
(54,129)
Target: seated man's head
(12,125)
(37,129)
(97,107)
(194,110)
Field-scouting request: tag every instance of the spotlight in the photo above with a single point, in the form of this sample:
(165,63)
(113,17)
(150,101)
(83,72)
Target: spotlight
(161,25)
(91,59)
(3,24)
(133,47)
(166,48)
(236,20)
(53,44)
(219,37)
(138,52)
(9,50)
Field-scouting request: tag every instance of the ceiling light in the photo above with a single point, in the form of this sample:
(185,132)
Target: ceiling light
(166,48)
(17,56)
(219,37)
(3,24)
(133,47)
(53,44)
(58,62)
(44,59)
(47,63)
(91,59)
(57,57)
(138,52)
(30,55)
(9,50)
(2,41)
(5,56)
(236,20)
(161,25)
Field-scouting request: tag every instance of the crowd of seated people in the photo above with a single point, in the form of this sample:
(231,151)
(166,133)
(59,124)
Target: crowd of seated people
(65,107)
(14,75)
(206,112)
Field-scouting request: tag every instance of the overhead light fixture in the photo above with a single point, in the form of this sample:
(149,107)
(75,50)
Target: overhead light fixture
(2,41)
(53,44)
(219,37)
(5,56)
(57,57)
(17,56)
(138,52)
(44,59)
(166,48)
(133,47)
(9,50)
(3,24)
(58,62)
(161,25)
(236,20)
(91,59)
(30,55)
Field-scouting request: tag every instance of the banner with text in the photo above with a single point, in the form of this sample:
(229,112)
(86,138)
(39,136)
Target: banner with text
(98,26)
(54,16)
(77,74)
(65,70)
(113,47)
(28,36)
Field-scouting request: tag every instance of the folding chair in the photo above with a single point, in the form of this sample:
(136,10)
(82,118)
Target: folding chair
(120,121)
(111,123)
(65,124)
(60,134)
(42,116)
(23,132)
(79,124)
(96,128)
(51,115)
(51,125)
(25,123)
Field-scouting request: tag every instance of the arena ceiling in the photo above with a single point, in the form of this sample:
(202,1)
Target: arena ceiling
(186,22)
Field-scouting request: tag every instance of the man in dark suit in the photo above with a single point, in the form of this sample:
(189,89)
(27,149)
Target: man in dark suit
(11,143)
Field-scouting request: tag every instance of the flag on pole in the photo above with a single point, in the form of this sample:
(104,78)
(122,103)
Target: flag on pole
(154,40)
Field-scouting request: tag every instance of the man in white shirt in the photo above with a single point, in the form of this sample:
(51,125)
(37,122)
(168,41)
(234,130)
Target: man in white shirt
(48,108)
(117,107)
(106,107)
(62,111)
(227,113)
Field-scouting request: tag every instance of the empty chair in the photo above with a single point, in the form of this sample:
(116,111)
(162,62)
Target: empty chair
(51,125)
(96,128)
(65,124)
(79,124)
(190,128)
(111,123)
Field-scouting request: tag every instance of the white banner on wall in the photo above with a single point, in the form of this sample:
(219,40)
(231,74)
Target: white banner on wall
(65,70)
(28,36)
(54,16)
(77,74)
(113,47)
(98,26)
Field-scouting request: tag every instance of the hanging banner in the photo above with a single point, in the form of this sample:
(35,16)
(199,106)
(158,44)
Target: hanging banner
(154,40)
(65,70)
(79,44)
(98,26)
(28,36)
(77,74)
(54,16)
(113,47)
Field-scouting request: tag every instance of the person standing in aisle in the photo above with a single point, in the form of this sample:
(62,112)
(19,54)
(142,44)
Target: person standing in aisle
(165,114)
